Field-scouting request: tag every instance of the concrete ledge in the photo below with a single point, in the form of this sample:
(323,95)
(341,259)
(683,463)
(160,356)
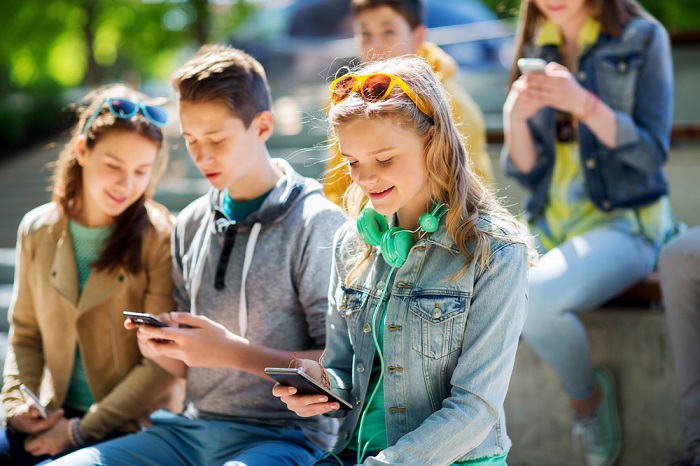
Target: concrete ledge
(635,346)
(7,265)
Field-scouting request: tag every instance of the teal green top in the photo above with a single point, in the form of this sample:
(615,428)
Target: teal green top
(240,210)
(373,424)
(88,243)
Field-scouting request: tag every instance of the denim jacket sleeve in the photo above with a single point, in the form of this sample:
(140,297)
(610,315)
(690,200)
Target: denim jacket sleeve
(481,377)
(643,136)
(339,355)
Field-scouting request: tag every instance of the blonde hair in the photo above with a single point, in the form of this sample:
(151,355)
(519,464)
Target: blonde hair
(450,177)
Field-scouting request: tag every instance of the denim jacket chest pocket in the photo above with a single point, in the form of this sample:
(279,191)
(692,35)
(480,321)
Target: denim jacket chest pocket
(438,321)
(616,79)
(350,304)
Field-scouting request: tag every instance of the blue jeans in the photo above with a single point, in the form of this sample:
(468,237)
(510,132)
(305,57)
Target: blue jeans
(578,276)
(178,440)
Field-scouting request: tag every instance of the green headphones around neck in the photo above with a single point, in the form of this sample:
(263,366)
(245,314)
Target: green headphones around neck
(396,242)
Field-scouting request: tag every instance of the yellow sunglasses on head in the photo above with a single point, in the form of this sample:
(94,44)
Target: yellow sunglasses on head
(373,88)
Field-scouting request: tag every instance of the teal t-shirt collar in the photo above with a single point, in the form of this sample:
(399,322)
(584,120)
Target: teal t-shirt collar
(240,210)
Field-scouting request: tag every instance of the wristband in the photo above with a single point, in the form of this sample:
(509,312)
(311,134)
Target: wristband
(589,110)
(74,433)
(324,375)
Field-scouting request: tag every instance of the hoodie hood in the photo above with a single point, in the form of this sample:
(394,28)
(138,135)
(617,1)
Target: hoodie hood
(289,190)
(444,66)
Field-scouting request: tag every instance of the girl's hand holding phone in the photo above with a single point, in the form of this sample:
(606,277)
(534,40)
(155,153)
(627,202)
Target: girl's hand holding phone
(556,88)
(305,405)
(29,420)
(50,441)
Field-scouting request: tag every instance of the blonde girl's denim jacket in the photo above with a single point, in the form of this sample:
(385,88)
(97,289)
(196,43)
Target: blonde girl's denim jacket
(633,75)
(449,345)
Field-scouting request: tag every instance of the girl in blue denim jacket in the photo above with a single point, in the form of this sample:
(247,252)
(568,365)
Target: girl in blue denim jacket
(588,137)
(428,293)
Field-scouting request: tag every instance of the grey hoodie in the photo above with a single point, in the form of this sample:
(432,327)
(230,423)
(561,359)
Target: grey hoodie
(265,278)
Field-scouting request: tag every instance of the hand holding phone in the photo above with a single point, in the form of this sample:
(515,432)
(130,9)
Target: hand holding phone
(531,65)
(32,399)
(305,384)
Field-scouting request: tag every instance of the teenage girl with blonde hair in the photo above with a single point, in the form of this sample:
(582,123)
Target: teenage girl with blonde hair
(428,294)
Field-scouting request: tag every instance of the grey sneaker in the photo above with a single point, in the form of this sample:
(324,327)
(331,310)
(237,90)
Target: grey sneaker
(599,435)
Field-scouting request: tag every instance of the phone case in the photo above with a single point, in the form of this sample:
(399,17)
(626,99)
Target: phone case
(143,319)
(34,400)
(304,384)
(531,65)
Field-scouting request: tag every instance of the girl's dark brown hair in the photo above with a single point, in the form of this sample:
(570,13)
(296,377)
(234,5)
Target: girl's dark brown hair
(612,14)
(123,247)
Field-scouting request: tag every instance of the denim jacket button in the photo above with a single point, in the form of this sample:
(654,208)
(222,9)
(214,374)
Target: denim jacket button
(360,368)
(436,312)
(367,328)
(380,285)
(590,164)
(582,75)
(622,67)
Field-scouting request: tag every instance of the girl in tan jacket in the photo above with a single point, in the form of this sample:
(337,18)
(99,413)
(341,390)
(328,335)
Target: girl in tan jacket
(99,248)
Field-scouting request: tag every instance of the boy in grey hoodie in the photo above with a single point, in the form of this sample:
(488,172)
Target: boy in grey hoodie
(251,266)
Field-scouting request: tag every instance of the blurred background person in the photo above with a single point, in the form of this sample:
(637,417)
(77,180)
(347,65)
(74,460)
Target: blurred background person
(588,137)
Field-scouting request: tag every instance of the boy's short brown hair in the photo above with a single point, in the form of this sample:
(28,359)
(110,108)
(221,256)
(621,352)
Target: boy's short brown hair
(413,11)
(223,73)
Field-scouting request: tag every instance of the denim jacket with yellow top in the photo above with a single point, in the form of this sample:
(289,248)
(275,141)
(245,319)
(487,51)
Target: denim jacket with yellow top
(448,344)
(632,74)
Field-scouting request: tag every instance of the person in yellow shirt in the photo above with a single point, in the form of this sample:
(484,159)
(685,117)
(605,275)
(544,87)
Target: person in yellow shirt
(391,28)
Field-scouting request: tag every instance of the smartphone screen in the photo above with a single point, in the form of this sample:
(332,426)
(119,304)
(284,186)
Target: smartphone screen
(305,384)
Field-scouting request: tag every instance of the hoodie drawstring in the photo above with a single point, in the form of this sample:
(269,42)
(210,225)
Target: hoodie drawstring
(243,305)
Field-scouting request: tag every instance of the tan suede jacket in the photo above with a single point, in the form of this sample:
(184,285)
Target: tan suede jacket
(47,318)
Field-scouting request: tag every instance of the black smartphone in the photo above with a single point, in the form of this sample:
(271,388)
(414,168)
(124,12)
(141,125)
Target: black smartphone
(141,318)
(305,384)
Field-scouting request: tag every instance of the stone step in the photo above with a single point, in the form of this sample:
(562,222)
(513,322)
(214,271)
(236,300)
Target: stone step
(5,298)
(7,265)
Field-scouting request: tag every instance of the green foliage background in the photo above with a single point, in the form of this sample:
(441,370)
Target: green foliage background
(678,16)
(50,46)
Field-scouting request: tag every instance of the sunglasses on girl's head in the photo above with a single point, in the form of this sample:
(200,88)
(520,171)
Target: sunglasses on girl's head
(373,88)
(123,108)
